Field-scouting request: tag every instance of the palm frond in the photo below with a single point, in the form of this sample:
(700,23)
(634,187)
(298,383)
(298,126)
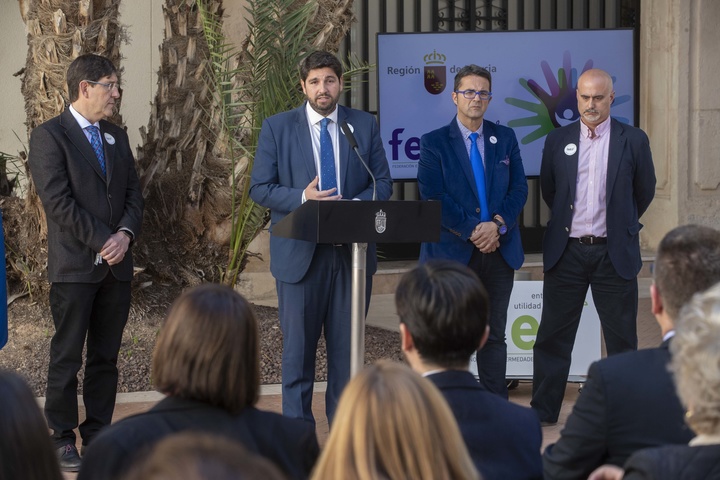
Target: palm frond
(248,87)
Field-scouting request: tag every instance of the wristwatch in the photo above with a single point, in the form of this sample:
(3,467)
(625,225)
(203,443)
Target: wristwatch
(502,228)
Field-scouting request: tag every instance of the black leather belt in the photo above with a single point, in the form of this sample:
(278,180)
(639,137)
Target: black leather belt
(590,240)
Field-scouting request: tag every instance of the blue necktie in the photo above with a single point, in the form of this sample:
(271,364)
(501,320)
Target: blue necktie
(328,178)
(97,146)
(479,171)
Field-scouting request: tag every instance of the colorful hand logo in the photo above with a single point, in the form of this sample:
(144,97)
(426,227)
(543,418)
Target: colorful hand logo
(557,107)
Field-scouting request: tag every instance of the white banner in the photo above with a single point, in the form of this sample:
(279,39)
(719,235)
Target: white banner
(522,325)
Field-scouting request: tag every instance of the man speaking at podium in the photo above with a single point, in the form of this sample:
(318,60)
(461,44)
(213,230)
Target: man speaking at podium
(304,154)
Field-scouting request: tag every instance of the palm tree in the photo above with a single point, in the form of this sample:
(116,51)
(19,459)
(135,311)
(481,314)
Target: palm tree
(57,33)
(199,145)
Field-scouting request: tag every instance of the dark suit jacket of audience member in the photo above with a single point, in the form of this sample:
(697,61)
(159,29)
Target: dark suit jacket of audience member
(504,439)
(628,403)
(289,443)
(674,462)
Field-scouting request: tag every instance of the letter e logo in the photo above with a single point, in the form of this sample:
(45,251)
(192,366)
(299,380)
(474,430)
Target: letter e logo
(524,330)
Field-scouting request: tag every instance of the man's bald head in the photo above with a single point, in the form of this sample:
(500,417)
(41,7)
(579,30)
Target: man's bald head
(595,94)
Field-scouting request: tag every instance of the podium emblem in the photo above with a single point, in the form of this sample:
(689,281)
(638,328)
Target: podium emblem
(380,221)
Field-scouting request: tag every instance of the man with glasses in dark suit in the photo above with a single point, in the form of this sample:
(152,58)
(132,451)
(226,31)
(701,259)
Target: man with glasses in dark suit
(84,173)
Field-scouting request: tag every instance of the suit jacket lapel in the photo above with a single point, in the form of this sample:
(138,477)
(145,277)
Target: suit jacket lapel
(109,150)
(458,145)
(615,150)
(305,141)
(77,137)
(573,137)
(490,159)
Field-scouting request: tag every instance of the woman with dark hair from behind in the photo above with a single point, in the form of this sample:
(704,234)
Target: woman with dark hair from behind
(25,449)
(202,456)
(206,361)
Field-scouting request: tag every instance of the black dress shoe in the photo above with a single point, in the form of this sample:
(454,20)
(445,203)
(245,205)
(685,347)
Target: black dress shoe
(68,458)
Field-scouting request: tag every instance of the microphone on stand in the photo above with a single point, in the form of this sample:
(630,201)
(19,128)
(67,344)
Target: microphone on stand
(354,145)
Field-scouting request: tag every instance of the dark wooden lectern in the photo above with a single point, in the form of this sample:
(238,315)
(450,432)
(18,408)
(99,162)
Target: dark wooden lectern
(359,223)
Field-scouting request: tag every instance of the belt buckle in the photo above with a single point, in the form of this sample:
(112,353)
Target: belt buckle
(587,240)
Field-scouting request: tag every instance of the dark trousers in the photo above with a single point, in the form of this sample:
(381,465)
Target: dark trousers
(99,312)
(319,303)
(497,277)
(564,291)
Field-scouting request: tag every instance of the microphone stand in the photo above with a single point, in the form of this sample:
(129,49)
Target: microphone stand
(359,273)
(354,145)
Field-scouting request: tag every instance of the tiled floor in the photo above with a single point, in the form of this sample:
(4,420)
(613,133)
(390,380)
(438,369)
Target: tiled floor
(648,334)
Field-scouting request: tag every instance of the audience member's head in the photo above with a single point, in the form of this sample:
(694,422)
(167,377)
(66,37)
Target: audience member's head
(687,262)
(207,350)
(443,309)
(696,361)
(202,456)
(25,448)
(393,424)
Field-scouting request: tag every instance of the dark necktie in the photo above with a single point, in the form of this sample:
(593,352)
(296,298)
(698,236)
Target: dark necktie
(328,177)
(479,171)
(97,146)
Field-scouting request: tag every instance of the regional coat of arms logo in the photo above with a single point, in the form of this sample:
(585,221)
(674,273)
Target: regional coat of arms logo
(435,72)
(380,221)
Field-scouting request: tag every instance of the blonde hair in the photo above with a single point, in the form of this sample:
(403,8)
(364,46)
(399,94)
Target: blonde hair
(207,350)
(696,361)
(392,424)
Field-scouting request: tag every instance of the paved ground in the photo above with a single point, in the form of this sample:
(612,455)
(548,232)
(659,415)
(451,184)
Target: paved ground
(382,313)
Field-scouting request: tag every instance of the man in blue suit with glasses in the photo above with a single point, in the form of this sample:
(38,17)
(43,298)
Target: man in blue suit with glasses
(473,167)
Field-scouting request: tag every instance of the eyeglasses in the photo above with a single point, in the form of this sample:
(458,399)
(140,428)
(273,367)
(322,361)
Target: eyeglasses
(470,94)
(108,86)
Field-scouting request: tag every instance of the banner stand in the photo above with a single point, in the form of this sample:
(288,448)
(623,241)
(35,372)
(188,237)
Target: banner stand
(524,313)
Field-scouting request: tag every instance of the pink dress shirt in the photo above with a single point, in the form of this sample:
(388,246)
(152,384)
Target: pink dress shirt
(590,193)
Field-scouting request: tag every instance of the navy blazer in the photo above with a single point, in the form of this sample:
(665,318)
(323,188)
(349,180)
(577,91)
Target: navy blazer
(290,444)
(445,174)
(82,205)
(630,189)
(504,439)
(628,403)
(673,462)
(285,165)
